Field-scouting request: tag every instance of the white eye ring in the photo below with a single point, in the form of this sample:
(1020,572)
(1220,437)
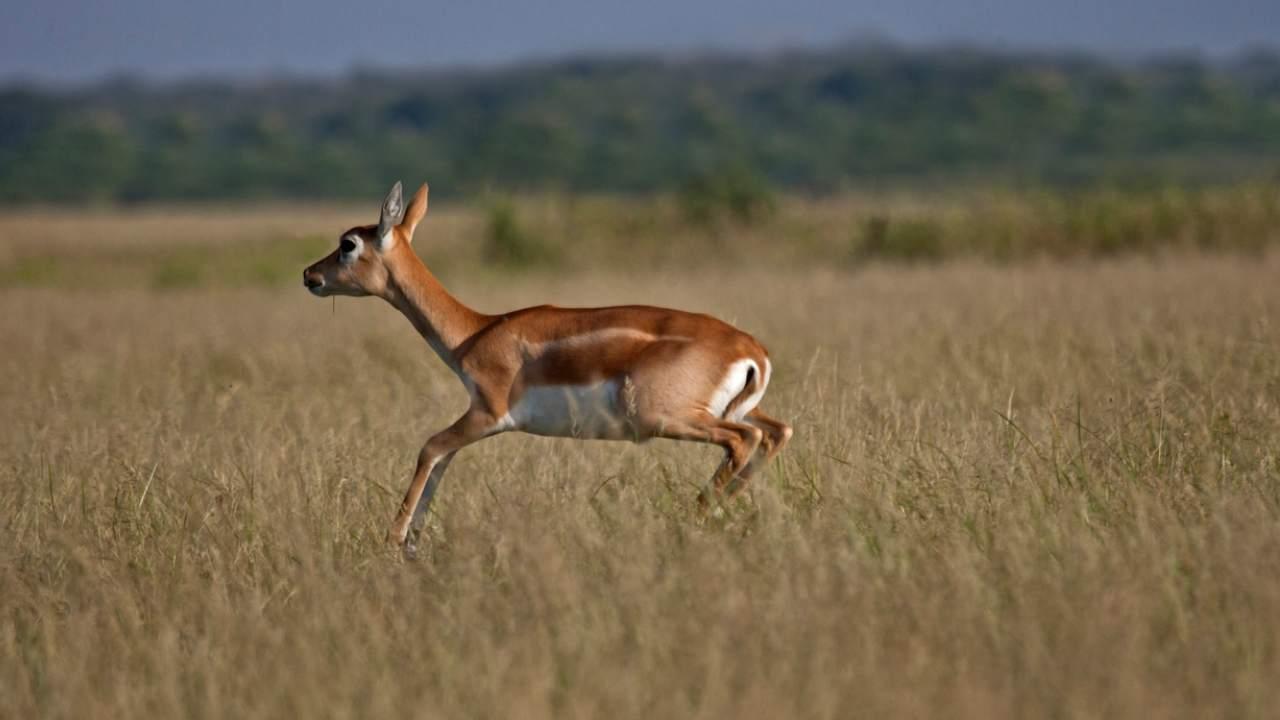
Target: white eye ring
(357,246)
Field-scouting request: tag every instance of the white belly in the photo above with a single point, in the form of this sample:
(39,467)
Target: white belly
(579,411)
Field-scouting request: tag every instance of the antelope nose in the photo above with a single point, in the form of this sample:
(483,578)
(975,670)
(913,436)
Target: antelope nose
(311,280)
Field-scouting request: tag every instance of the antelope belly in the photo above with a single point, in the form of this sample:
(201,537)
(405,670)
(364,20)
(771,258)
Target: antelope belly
(580,411)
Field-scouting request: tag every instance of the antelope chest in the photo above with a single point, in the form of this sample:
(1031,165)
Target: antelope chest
(597,411)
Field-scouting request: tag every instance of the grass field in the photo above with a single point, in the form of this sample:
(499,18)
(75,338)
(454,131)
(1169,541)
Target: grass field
(1037,489)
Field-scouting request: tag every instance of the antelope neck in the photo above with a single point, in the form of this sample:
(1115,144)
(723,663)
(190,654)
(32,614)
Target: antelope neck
(443,320)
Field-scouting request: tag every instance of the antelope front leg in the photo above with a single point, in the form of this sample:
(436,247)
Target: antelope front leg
(438,451)
(424,503)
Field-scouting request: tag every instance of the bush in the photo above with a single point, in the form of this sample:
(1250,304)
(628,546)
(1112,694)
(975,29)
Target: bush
(912,240)
(734,195)
(509,243)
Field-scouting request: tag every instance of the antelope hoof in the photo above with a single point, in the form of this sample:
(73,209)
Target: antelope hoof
(709,509)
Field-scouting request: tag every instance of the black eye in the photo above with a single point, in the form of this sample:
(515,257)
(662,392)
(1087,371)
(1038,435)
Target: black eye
(347,245)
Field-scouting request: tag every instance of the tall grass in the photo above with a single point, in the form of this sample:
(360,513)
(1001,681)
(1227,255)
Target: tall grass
(1029,490)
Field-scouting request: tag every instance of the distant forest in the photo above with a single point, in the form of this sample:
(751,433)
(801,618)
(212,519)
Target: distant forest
(806,121)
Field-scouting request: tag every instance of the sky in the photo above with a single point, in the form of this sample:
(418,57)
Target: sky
(81,40)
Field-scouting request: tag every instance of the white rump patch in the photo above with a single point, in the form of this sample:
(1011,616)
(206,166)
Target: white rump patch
(735,381)
(751,401)
(577,411)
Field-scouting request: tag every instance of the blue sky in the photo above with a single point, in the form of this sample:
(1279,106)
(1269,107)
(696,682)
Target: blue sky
(70,40)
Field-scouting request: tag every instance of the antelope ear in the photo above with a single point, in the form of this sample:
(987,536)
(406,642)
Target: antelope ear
(392,212)
(414,213)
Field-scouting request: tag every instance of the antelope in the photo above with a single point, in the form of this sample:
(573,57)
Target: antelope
(629,372)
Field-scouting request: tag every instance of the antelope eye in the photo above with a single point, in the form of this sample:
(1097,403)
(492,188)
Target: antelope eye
(347,245)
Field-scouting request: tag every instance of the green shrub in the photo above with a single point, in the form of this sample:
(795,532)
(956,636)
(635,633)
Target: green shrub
(881,238)
(509,243)
(734,195)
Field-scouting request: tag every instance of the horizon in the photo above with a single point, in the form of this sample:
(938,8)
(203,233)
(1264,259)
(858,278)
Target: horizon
(77,44)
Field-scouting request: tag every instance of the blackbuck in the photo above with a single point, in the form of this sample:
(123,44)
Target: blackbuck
(630,372)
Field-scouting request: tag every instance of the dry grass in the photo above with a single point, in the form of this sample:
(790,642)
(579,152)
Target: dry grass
(182,247)
(1038,490)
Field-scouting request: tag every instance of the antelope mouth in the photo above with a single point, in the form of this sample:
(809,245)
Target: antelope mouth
(316,286)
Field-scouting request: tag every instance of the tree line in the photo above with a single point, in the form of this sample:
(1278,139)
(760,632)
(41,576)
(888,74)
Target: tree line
(812,121)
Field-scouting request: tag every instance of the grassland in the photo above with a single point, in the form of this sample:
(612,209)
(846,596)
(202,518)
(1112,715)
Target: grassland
(1045,488)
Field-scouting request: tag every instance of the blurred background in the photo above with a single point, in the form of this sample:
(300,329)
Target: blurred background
(148,101)
(1053,128)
